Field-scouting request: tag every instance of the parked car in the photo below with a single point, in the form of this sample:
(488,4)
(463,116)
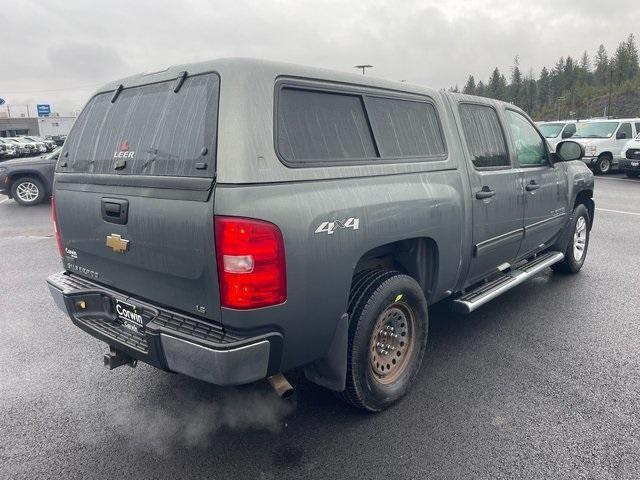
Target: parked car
(301,217)
(630,164)
(23,148)
(7,150)
(58,139)
(604,140)
(28,181)
(555,132)
(50,145)
(38,147)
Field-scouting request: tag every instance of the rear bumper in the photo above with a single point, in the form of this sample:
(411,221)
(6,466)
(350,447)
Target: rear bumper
(168,340)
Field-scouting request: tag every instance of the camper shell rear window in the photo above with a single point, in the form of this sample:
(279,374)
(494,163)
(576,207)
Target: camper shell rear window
(148,130)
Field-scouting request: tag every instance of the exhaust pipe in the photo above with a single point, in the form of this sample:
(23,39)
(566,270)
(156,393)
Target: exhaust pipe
(281,385)
(116,358)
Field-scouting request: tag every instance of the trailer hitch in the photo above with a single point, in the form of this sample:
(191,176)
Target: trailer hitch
(115,358)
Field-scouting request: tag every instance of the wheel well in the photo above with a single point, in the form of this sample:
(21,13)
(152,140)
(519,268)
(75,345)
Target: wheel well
(417,257)
(585,197)
(606,154)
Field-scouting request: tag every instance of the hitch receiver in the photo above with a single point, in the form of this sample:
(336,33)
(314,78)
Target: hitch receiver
(116,358)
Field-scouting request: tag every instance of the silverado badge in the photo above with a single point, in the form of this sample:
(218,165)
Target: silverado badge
(117,243)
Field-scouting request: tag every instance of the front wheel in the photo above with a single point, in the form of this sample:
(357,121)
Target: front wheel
(603,164)
(387,338)
(28,191)
(576,251)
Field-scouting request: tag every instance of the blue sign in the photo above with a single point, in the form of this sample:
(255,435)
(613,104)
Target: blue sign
(2,102)
(44,110)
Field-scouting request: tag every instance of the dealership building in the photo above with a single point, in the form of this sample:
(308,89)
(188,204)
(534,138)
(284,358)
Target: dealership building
(37,126)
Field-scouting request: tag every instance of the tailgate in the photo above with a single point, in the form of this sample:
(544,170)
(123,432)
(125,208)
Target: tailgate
(169,257)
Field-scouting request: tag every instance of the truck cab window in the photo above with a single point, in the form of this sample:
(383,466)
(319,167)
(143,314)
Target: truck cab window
(530,148)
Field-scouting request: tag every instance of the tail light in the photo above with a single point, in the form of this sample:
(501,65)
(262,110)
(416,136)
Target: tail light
(54,220)
(251,263)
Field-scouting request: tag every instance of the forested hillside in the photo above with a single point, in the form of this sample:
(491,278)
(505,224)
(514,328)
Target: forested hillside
(572,88)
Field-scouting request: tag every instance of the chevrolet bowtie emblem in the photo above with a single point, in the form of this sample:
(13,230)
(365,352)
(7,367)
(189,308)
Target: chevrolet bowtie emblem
(117,243)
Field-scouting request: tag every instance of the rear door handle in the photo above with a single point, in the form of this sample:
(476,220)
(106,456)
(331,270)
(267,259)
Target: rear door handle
(531,186)
(486,192)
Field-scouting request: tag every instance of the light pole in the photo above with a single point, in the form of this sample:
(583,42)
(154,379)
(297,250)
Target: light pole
(558,100)
(363,67)
(610,87)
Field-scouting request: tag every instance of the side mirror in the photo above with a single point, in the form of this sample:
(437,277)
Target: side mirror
(569,150)
(621,136)
(566,134)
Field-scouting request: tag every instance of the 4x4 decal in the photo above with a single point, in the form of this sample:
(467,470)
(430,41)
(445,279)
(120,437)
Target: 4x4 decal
(330,227)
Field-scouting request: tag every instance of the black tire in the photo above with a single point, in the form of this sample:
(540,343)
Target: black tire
(604,164)
(571,264)
(389,299)
(28,191)
(632,174)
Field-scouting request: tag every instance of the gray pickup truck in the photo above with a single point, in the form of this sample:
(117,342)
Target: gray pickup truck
(235,219)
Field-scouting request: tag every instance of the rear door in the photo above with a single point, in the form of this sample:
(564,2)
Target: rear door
(133,193)
(544,185)
(496,190)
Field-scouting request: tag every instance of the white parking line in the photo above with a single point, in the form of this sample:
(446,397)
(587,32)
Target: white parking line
(617,211)
(5,200)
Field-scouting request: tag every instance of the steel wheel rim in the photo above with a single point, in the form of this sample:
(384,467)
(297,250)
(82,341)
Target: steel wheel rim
(392,343)
(604,165)
(580,239)
(27,191)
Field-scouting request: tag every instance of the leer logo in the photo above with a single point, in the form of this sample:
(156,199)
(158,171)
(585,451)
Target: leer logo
(123,151)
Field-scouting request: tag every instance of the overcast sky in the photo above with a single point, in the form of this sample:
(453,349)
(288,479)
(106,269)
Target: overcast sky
(59,51)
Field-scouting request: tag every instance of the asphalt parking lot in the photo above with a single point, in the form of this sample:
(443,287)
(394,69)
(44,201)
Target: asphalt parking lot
(543,382)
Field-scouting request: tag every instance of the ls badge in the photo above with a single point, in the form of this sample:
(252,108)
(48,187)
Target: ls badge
(117,243)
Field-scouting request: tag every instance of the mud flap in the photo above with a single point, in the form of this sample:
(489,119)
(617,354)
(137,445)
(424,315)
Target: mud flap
(330,371)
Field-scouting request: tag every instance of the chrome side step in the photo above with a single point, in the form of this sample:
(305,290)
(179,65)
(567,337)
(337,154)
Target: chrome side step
(488,291)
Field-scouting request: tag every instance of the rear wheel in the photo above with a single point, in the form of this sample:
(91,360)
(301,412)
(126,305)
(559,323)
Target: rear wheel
(28,191)
(603,164)
(576,251)
(387,338)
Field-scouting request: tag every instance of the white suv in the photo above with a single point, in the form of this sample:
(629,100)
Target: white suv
(604,141)
(555,132)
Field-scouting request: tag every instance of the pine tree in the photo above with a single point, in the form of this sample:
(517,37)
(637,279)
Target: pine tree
(497,87)
(530,93)
(632,57)
(545,93)
(470,86)
(481,89)
(584,70)
(516,87)
(601,71)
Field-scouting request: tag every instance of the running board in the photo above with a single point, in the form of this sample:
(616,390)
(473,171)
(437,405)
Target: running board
(488,291)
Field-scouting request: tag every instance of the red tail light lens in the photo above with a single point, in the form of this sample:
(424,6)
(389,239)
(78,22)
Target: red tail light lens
(54,220)
(251,263)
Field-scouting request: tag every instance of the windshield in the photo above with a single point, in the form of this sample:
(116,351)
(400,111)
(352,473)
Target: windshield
(551,130)
(148,130)
(595,129)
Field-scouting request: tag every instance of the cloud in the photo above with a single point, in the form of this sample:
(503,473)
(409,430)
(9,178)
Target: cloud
(62,44)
